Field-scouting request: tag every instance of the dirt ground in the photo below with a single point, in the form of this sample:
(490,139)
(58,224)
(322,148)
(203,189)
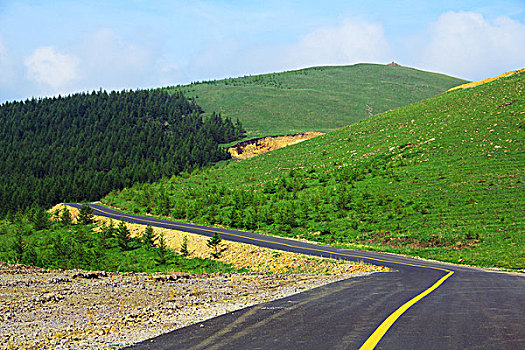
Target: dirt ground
(42,309)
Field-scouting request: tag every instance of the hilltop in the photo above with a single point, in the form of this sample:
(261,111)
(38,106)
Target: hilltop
(315,99)
(440,179)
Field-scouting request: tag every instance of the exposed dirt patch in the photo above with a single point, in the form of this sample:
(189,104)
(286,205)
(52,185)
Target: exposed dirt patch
(251,148)
(481,82)
(42,309)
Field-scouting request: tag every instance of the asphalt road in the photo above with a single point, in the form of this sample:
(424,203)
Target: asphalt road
(420,305)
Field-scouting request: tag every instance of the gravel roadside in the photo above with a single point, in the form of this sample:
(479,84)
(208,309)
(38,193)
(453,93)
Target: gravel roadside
(42,309)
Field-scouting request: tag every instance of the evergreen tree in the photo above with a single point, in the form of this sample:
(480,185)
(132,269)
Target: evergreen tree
(162,252)
(215,244)
(39,218)
(80,147)
(149,237)
(108,231)
(86,214)
(123,236)
(184,250)
(65,218)
(18,247)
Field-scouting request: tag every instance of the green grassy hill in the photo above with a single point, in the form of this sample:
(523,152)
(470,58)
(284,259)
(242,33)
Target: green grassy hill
(316,99)
(440,179)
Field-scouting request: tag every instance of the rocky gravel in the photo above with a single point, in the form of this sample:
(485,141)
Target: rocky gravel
(41,309)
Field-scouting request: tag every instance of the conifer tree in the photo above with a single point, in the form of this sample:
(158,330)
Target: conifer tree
(39,218)
(109,231)
(184,250)
(18,247)
(215,244)
(149,237)
(162,252)
(123,236)
(65,217)
(86,214)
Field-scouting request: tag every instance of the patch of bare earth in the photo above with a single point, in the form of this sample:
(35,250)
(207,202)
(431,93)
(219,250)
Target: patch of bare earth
(251,148)
(42,309)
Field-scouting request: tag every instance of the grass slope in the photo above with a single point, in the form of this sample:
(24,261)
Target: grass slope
(440,179)
(316,99)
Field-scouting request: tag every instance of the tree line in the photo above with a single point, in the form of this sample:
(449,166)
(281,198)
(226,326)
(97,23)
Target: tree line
(81,147)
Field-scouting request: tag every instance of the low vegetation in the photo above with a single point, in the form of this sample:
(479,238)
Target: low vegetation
(34,238)
(63,241)
(440,179)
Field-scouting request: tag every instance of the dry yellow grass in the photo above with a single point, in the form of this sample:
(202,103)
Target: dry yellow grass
(476,83)
(241,255)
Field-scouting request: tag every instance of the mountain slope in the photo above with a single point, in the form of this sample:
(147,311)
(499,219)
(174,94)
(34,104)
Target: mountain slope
(440,179)
(316,99)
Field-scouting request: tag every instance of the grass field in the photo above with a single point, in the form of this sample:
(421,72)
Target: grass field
(316,99)
(440,179)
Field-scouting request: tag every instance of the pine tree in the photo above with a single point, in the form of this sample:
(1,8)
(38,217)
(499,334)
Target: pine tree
(184,251)
(109,231)
(39,218)
(18,248)
(215,244)
(65,217)
(123,236)
(86,214)
(149,237)
(162,251)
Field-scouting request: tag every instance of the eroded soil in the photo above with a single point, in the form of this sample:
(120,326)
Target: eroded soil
(251,148)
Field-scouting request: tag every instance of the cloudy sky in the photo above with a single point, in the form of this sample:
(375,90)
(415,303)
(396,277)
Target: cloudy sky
(60,47)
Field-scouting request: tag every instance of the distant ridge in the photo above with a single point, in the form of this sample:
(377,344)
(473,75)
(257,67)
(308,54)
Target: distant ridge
(315,99)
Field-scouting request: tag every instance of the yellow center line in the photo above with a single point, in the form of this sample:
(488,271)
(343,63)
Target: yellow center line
(381,330)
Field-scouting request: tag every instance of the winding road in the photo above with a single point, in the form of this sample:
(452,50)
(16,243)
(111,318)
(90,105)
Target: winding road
(420,305)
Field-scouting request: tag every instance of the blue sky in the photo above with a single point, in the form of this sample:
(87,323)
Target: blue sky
(60,47)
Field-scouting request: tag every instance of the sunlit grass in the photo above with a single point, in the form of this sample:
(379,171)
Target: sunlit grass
(315,99)
(440,179)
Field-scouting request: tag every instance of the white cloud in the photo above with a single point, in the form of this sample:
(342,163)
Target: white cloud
(468,45)
(50,68)
(6,66)
(111,62)
(352,42)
